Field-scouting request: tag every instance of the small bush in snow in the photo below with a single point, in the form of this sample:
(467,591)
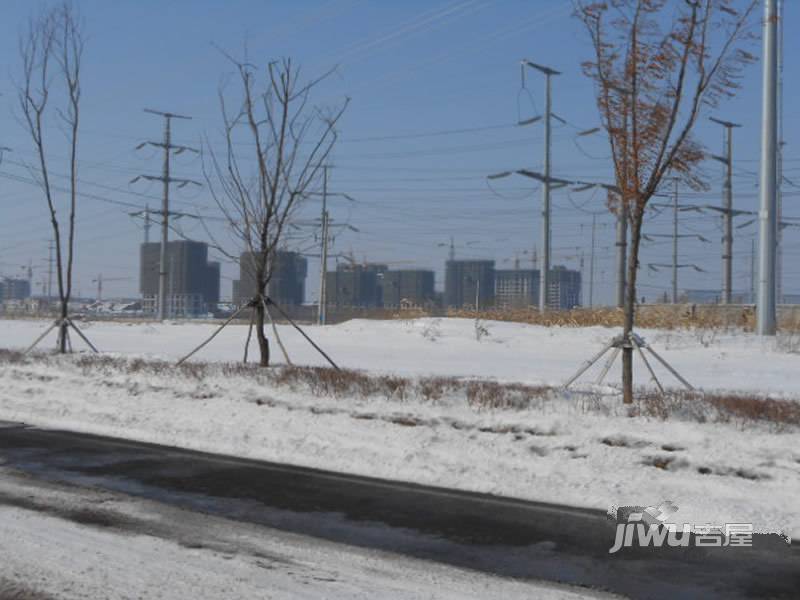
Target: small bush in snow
(481,331)
(431,331)
(490,394)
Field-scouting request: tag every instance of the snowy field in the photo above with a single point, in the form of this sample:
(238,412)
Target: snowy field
(570,448)
(510,352)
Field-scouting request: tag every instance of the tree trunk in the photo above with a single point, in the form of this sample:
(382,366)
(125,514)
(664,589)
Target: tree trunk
(630,306)
(62,329)
(263,342)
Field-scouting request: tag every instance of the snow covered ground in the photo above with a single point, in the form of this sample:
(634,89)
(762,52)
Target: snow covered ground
(511,351)
(80,543)
(568,448)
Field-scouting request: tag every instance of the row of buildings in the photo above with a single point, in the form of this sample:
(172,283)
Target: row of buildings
(193,283)
(468,284)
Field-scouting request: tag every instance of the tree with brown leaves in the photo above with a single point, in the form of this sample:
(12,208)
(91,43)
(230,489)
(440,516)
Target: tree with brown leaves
(657,65)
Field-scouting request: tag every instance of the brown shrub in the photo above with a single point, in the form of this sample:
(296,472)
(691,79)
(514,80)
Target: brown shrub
(490,394)
(742,409)
(701,407)
(432,389)
(11,357)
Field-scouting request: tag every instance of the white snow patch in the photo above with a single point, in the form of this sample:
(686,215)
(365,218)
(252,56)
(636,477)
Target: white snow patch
(715,473)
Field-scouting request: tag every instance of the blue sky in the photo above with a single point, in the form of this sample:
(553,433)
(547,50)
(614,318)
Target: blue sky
(435,90)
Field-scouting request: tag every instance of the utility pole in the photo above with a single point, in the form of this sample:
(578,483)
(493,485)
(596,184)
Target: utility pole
(591,265)
(674,266)
(544,272)
(545,177)
(323,292)
(675,242)
(162,260)
(166,180)
(779,166)
(766,309)
(325,225)
(727,210)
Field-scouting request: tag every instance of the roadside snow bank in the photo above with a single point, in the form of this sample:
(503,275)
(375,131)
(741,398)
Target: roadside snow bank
(573,449)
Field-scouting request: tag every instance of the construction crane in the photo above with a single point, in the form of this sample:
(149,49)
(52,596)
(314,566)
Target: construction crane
(99,281)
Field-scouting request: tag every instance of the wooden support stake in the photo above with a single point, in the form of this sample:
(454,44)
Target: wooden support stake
(213,335)
(249,335)
(83,337)
(607,366)
(41,337)
(275,333)
(670,369)
(635,344)
(303,333)
(590,362)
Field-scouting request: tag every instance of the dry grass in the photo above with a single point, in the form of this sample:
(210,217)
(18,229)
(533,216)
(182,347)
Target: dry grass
(738,409)
(713,407)
(11,356)
(651,317)
(493,395)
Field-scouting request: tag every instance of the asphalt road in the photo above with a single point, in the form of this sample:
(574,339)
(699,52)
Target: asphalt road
(503,537)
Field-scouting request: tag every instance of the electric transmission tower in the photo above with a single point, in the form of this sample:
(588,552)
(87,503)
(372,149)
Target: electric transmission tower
(325,224)
(727,209)
(148,222)
(550,183)
(166,180)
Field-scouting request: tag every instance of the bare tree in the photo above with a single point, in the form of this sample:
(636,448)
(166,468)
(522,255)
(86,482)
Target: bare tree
(276,145)
(657,65)
(51,52)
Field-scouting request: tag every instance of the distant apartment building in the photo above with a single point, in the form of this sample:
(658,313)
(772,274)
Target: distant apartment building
(469,283)
(192,281)
(563,289)
(12,288)
(516,288)
(407,288)
(355,285)
(287,284)
(519,288)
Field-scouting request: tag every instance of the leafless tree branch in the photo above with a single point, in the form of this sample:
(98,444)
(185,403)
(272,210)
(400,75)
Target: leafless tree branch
(288,141)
